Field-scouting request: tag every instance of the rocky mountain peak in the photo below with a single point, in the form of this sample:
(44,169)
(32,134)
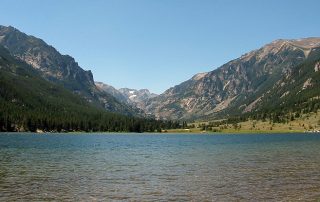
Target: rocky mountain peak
(305,44)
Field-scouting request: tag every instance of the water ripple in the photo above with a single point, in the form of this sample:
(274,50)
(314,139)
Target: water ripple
(159,167)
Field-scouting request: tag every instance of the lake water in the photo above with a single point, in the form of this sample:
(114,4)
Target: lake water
(148,167)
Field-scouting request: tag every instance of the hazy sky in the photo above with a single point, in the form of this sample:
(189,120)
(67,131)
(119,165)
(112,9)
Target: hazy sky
(157,44)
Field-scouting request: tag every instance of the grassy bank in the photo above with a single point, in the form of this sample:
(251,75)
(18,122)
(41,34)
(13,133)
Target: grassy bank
(307,122)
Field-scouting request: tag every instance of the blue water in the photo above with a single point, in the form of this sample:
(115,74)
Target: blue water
(148,167)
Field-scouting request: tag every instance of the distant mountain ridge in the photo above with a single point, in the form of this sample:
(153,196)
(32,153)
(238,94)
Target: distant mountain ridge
(137,96)
(133,97)
(57,68)
(29,102)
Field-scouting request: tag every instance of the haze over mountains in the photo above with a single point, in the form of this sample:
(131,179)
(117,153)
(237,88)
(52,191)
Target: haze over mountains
(279,74)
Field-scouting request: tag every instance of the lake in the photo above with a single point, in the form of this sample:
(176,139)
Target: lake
(165,167)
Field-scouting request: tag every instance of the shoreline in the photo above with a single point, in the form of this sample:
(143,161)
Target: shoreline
(172,133)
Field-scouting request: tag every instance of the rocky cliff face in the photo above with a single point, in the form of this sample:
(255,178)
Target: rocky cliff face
(57,68)
(44,58)
(238,85)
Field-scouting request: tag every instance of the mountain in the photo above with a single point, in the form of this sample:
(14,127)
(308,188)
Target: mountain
(281,74)
(60,69)
(29,102)
(241,85)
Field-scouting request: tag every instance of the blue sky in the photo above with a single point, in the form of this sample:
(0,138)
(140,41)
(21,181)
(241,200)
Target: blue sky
(157,44)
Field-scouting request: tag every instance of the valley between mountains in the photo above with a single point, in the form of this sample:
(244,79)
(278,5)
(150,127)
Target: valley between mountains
(276,82)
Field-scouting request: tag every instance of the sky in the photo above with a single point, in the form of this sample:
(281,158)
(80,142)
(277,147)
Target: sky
(156,44)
